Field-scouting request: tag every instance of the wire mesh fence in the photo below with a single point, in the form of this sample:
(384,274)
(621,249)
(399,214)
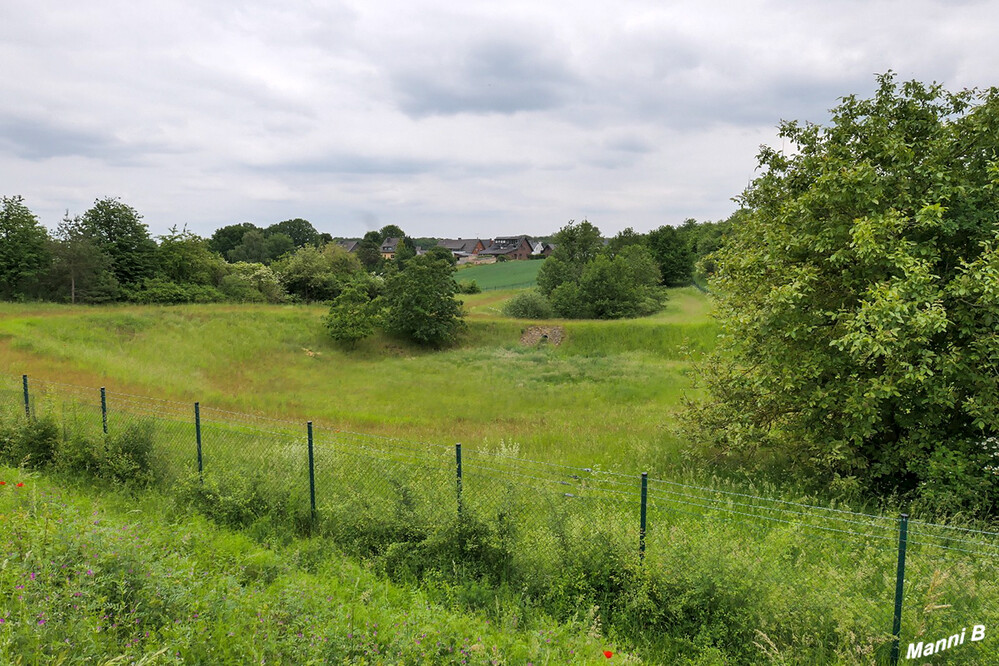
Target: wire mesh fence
(542,525)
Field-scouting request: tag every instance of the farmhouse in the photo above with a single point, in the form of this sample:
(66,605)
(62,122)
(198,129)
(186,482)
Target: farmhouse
(349,245)
(389,247)
(463,249)
(511,247)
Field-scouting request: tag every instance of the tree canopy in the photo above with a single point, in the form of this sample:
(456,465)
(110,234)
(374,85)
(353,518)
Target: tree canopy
(24,251)
(859,295)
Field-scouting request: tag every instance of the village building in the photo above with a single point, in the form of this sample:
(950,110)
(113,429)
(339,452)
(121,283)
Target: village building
(511,247)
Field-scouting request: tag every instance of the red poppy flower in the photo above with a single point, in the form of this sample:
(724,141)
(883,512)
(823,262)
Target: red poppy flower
(3,483)
(608,654)
(20,485)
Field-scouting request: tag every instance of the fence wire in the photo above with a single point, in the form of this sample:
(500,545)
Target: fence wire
(552,522)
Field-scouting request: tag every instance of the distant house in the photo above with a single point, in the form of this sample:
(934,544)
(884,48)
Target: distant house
(511,247)
(463,248)
(389,247)
(542,249)
(350,245)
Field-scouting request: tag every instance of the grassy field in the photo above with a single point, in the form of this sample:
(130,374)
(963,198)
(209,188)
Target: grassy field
(115,578)
(605,396)
(502,275)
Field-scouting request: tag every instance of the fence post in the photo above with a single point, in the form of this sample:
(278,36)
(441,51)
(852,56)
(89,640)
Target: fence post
(312,475)
(641,531)
(197,436)
(457,457)
(104,410)
(27,402)
(896,630)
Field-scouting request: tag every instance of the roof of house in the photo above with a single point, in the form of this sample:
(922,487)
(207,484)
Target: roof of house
(466,245)
(349,245)
(390,244)
(506,245)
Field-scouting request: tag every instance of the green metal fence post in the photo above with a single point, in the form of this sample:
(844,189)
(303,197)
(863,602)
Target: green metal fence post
(27,402)
(312,475)
(104,410)
(197,436)
(641,531)
(896,630)
(457,457)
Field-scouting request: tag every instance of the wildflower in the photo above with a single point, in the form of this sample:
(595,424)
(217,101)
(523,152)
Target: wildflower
(20,485)
(3,483)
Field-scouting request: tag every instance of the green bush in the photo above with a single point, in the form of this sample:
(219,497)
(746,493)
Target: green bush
(239,500)
(470,287)
(32,444)
(530,304)
(128,455)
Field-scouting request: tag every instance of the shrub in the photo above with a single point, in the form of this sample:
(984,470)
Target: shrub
(32,444)
(530,304)
(128,455)
(470,287)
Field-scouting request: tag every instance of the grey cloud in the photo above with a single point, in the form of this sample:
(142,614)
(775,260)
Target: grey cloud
(491,77)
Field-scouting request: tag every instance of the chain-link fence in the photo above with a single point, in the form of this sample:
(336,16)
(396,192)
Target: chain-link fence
(821,581)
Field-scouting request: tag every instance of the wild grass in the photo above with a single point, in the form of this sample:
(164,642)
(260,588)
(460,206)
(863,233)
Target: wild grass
(605,396)
(118,578)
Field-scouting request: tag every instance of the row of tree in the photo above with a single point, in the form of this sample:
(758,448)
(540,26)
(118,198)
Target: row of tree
(588,277)
(107,254)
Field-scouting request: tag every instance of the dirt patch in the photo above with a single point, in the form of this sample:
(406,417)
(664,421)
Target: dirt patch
(534,335)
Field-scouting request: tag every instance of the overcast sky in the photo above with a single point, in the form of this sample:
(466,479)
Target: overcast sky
(454,118)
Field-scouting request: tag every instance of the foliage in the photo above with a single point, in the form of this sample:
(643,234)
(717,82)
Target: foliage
(469,287)
(32,444)
(420,303)
(353,315)
(250,282)
(226,238)
(80,270)
(119,232)
(528,304)
(314,274)
(184,257)
(164,291)
(259,247)
(24,249)
(859,294)
(301,232)
(673,251)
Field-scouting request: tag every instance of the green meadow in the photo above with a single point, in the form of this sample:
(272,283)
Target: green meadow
(605,396)
(501,275)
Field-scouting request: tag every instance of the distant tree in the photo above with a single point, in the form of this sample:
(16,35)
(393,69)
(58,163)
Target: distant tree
(225,239)
(24,250)
(405,251)
(251,249)
(277,245)
(248,282)
(420,302)
(390,231)
(317,275)
(301,232)
(671,248)
(369,254)
(80,270)
(119,232)
(442,253)
(353,315)
(184,258)
(623,239)
(373,236)
(575,246)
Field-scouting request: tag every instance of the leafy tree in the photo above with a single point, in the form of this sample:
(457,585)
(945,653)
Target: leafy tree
(390,231)
(353,315)
(252,283)
(301,232)
(420,302)
(859,296)
(225,239)
(672,249)
(623,239)
(317,275)
(575,246)
(119,232)
(277,245)
(80,271)
(252,248)
(24,249)
(369,254)
(185,258)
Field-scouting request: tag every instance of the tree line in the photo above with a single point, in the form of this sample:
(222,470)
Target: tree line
(589,277)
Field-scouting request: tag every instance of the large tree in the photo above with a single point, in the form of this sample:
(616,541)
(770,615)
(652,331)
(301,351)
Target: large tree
(80,271)
(301,232)
(119,232)
(24,250)
(420,302)
(859,299)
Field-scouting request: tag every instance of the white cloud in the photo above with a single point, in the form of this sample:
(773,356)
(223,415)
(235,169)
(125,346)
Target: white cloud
(446,118)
